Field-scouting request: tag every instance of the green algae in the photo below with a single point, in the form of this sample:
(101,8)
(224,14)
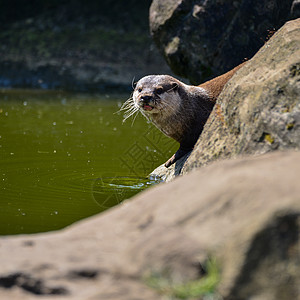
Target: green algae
(195,289)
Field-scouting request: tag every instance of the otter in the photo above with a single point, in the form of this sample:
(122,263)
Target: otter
(177,109)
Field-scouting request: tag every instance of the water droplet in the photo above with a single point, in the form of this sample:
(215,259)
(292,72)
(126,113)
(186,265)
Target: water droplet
(54,123)
(25,103)
(60,142)
(114,129)
(6,113)
(54,151)
(56,212)
(12,153)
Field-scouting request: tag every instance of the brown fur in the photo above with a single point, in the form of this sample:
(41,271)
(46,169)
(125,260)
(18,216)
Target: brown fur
(215,86)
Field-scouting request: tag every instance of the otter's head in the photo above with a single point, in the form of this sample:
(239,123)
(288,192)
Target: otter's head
(157,94)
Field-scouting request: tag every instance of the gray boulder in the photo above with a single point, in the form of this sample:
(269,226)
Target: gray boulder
(259,109)
(243,214)
(202,39)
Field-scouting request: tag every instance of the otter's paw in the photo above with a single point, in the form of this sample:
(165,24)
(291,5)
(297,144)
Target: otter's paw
(170,161)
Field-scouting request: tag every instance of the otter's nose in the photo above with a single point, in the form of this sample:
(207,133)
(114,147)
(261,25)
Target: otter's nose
(146,99)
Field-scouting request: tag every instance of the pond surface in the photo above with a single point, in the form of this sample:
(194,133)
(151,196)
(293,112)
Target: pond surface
(64,157)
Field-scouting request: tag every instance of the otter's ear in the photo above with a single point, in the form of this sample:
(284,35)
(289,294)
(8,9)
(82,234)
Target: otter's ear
(174,86)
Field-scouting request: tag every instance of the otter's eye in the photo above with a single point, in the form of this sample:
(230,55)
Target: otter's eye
(159,91)
(139,90)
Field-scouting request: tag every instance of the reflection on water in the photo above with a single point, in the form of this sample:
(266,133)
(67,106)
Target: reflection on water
(64,157)
(109,191)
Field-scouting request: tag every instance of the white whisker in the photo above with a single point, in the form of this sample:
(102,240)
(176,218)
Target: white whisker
(130,109)
(134,118)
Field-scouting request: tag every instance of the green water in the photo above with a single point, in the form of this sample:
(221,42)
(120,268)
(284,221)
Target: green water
(64,157)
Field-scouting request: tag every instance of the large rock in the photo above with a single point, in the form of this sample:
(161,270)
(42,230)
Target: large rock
(244,213)
(201,39)
(258,110)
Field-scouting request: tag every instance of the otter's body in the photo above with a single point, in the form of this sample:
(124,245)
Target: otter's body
(178,110)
